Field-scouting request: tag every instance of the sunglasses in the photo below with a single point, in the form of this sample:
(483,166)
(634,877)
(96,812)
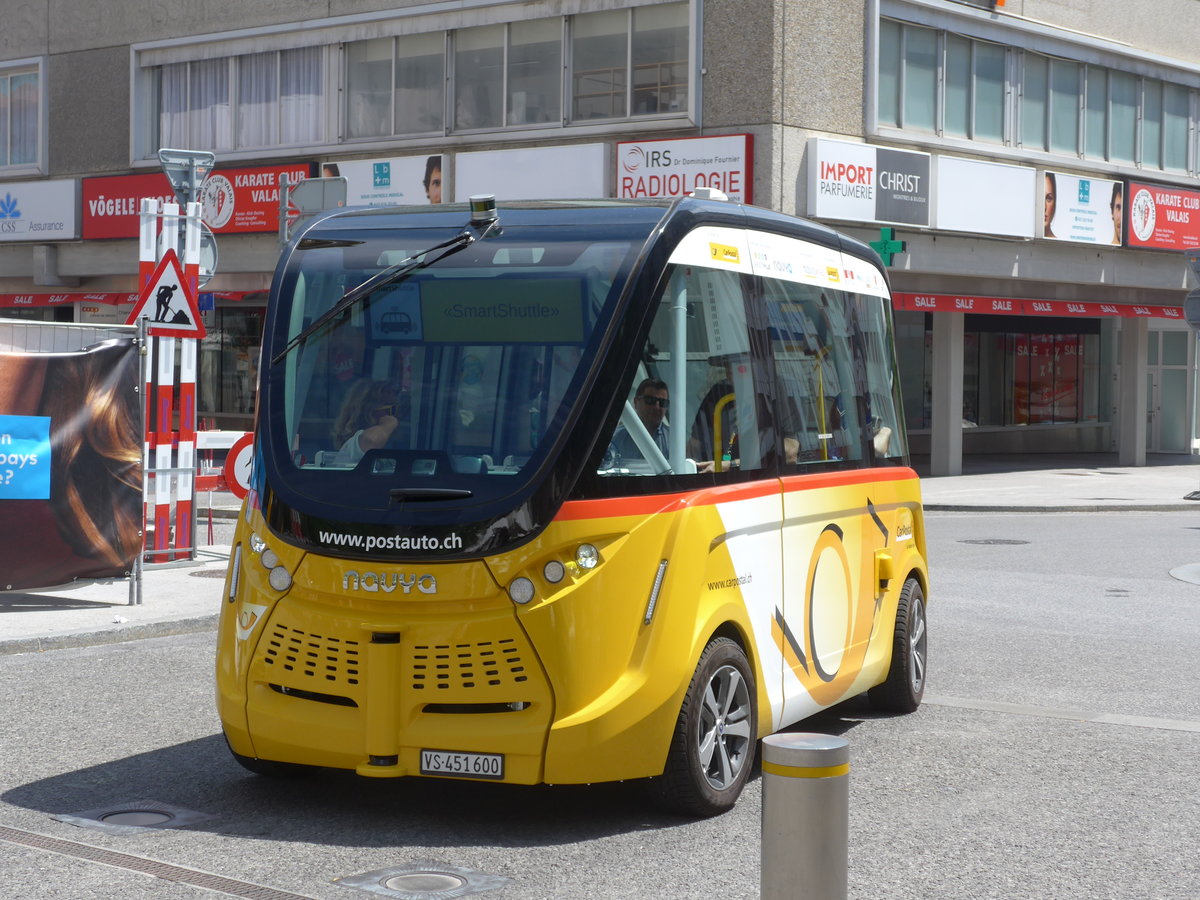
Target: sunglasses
(654,401)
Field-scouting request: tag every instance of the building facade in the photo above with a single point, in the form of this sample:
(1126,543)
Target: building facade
(1039,159)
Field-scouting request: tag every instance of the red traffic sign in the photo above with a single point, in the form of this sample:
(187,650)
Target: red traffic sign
(237,465)
(176,309)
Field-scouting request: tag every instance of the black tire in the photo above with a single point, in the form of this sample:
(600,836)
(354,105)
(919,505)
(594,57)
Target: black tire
(269,768)
(712,750)
(905,685)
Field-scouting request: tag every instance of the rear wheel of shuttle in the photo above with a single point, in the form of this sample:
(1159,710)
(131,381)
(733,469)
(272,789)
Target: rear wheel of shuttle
(712,750)
(905,684)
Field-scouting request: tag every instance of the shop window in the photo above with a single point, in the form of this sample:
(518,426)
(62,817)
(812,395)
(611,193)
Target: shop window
(369,88)
(479,77)
(228,376)
(960,87)
(1176,111)
(1010,377)
(20,116)
(534,72)
(620,63)
(420,83)
(1152,122)
(599,74)
(251,101)
(660,54)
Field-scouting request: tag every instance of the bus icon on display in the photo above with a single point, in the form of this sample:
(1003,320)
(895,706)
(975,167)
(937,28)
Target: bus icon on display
(396,322)
(597,491)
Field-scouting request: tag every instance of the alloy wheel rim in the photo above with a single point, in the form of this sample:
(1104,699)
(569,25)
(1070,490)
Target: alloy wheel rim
(723,732)
(916,646)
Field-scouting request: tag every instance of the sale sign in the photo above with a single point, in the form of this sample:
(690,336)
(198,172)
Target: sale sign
(1167,218)
(234,201)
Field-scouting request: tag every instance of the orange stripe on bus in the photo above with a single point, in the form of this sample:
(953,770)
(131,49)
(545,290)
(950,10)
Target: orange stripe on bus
(847,476)
(647,505)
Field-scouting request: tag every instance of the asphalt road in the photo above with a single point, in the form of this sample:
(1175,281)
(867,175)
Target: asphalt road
(1055,757)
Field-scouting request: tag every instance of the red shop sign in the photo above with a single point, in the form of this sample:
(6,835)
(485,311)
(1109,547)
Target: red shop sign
(1013,306)
(235,201)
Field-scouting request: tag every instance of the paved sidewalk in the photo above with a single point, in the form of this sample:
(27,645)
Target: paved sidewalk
(178,598)
(1086,483)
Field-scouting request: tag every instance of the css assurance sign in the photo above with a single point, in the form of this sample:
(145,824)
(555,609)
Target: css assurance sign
(39,210)
(677,166)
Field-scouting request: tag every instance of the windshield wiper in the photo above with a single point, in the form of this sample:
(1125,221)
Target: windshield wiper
(429,493)
(387,276)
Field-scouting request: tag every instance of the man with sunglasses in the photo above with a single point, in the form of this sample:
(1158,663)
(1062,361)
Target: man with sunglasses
(650,402)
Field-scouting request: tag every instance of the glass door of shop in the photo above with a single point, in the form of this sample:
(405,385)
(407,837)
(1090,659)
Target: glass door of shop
(1168,378)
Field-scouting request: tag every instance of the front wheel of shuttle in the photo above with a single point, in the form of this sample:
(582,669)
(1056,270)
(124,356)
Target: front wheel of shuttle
(712,750)
(905,685)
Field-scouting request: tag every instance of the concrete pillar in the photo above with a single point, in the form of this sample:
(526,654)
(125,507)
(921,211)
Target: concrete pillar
(1131,392)
(945,437)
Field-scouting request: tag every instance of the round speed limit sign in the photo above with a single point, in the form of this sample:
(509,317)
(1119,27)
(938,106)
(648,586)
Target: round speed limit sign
(237,465)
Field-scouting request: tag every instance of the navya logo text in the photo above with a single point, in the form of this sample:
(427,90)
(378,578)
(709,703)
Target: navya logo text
(381,581)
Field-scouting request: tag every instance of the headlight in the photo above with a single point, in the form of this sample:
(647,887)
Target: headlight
(554,571)
(280,579)
(587,556)
(521,590)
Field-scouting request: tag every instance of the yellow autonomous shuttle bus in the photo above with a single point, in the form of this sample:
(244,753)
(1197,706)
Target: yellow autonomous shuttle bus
(575,492)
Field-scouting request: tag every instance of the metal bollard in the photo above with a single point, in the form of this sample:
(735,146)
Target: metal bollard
(805,817)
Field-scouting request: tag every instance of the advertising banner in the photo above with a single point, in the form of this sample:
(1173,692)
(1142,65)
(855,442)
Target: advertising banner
(398,181)
(39,210)
(70,464)
(864,183)
(1164,217)
(235,201)
(1010,306)
(1081,210)
(575,171)
(677,166)
(984,198)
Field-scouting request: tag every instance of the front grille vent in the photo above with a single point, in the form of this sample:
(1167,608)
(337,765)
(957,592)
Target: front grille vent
(484,664)
(323,659)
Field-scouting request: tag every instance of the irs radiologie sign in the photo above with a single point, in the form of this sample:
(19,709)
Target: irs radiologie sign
(24,457)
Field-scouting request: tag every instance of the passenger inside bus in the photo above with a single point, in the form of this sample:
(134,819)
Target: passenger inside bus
(367,419)
(650,402)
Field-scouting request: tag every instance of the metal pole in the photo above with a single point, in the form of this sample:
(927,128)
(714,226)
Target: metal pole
(805,817)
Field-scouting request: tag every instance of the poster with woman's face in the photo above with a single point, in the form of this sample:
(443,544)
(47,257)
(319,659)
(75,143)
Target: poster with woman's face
(70,465)
(1081,210)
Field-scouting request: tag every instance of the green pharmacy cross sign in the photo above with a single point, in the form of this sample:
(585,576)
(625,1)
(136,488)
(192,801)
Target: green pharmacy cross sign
(887,246)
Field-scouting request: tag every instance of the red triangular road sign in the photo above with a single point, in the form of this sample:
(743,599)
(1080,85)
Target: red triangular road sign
(175,311)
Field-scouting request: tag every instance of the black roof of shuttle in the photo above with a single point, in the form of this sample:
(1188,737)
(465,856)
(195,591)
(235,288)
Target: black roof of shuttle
(583,212)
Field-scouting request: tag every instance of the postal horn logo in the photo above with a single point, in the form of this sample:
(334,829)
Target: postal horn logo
(634,159)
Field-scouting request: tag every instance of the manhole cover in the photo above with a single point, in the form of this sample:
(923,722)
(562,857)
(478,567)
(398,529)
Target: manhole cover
(134,817)
(425,880)
(145,817)
(208,573)
(999,541)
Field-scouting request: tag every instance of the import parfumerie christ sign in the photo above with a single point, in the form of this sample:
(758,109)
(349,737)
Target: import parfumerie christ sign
(864,183)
